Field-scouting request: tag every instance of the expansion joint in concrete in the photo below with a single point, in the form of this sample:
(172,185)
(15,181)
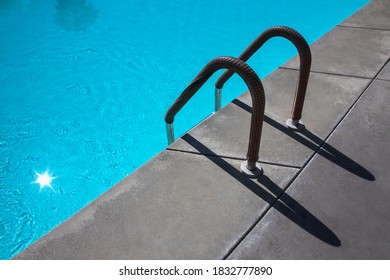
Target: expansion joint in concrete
(359,27)
(234,158)
(328,73)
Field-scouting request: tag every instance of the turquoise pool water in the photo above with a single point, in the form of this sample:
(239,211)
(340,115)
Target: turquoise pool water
(84,86)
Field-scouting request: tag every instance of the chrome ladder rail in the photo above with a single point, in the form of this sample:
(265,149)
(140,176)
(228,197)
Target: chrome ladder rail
(249,167)
(304,69)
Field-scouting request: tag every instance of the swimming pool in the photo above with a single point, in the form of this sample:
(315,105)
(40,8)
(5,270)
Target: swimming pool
(84,87)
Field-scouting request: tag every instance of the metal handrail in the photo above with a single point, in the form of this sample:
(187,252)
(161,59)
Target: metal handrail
(250,167)
(304,69)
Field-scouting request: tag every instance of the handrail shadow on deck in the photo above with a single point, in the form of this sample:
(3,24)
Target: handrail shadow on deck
(327,151)
(286,205)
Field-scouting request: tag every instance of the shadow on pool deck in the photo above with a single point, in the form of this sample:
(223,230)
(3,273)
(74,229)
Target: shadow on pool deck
(287,205)
(319,146)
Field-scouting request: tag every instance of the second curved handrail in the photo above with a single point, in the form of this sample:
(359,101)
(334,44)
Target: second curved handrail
(304,68)
(250,167)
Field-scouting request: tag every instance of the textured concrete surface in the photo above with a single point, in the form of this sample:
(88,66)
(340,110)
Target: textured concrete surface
(351,198)
(328,99)
(385,73)
(316,200)
(375,15)
(177,206)
(349,51)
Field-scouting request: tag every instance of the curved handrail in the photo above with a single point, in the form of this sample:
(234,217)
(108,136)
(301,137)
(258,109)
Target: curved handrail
(258,103)
(304,68)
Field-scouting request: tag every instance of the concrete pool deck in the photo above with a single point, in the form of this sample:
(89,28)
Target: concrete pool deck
(325,192)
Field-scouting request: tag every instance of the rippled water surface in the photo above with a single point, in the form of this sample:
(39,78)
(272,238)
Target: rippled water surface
(84,86)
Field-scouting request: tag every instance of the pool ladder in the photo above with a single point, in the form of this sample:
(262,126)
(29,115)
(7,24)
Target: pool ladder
(304,69)
(250,167)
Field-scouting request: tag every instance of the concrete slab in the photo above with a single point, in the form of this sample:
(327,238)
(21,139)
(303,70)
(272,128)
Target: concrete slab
(353,202)
(385,73)
(328,99)
(375,14)
(177,206)
(349,51)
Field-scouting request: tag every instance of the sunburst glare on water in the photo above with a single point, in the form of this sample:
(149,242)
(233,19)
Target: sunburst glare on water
(44,180)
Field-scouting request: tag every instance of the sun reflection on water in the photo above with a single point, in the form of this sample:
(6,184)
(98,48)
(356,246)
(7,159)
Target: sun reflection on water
(44,180)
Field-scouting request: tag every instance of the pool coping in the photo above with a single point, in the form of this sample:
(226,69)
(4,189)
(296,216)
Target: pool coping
(192,202)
